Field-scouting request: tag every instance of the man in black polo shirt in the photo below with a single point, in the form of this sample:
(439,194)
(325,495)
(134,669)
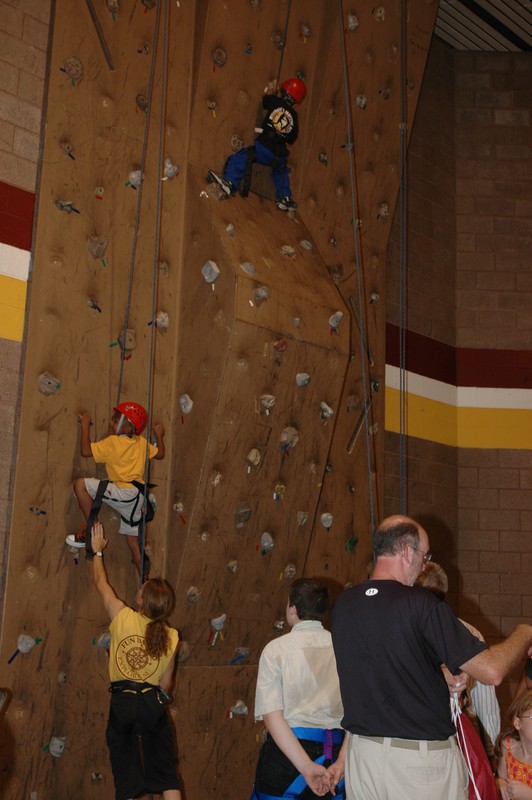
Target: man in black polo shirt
(390,640)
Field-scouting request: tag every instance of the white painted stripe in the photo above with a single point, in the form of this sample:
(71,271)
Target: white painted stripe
(14,263)
(459,396)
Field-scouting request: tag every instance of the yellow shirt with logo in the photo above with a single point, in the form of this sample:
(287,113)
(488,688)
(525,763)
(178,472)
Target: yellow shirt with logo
(128,658)
(124,458)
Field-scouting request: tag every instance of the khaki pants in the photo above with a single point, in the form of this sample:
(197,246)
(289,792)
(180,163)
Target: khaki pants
(379,768)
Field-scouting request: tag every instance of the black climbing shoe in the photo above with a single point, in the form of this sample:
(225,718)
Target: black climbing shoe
(225,186)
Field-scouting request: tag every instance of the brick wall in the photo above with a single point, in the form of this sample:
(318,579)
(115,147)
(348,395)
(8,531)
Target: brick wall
(23,45)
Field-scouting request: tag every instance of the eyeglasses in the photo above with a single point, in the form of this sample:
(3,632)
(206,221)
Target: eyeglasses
(426,556)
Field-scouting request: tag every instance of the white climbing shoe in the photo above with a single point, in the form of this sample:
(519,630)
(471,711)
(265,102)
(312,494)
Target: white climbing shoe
(225,186)
(286,204)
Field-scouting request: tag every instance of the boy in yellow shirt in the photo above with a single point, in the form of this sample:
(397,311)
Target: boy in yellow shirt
(123,452)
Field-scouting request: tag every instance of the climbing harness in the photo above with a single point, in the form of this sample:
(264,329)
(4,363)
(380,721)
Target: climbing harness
(146,516)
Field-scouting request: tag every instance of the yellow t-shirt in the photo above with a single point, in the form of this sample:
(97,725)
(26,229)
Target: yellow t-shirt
(128,659)
(124,458)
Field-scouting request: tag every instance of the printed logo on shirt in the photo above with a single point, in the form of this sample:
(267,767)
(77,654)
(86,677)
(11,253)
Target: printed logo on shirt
(133,661)
(371,592)
(282,121)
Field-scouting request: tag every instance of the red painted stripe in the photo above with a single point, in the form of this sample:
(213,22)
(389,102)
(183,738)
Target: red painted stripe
(16,216)
(496,369)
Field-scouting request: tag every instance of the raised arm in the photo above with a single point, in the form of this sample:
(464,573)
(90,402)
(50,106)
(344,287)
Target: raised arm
(161,450)
(85,440)
(111,602)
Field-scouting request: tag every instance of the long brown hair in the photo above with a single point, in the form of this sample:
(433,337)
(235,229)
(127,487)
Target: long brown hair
(518,707)
(158,601)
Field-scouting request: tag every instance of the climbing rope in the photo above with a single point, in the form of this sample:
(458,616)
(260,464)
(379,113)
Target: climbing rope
(139,199)
(285,34)
(160,163)
(354,216)
(403,245)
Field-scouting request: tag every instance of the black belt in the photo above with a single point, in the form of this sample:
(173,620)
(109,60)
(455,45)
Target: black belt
(131,686)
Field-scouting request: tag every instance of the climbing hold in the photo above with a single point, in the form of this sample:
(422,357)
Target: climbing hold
(255,4)
(267,402)
(163,268)
(211,105)
(279,625)
(142,102)
(37,511)
(62,678)
(170,169)
(351,488)
(351,543)
(230,229)
(340,192)
(127,340)
(143,50)
(361,101)
(326,520)
(186,403)
(352,21)
(279,492)
(216,478)
(297,322)
(302,518)
(383,211)
(135,178)
(326,411)
(67,205)
(323,158)
(280,346)
(253,457)
(97,245)
(289,438)
(162,320)
(239,708)
(248,267)
(373,429)
(112,6)
(260,294)
(73,68)
(302,378)
(47,384)
(25,643)
(232,566)
(99,192)
(56,746)
(66,147)
(266,543)
(277,40)
(306,245)
(219,57)
(304,32)
(237,142)
(149,4)
(104,641)
(96,777)
(178,506)
(332,241)
(217,624)
(242,514)
(385,92)
(288,251)
(289,571)
(374,385)
(374,297)
(335,319)
(193,594)
(210,271)
(379,13)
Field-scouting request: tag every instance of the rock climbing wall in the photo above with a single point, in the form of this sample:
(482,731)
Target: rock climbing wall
(255,337)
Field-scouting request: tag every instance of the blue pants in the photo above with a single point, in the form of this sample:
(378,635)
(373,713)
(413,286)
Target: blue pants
(235,168)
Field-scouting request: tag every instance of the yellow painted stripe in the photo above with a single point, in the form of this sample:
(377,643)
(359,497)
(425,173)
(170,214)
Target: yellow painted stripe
(12,307)
(487,428)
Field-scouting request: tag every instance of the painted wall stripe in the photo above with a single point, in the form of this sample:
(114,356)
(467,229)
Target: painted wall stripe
(16,216)
(12,307)
(14,263)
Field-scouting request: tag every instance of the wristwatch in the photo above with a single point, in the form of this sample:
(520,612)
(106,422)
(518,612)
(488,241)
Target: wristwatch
(99,554)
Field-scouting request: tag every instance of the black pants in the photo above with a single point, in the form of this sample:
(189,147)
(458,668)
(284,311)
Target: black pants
(148,765)
(275,772)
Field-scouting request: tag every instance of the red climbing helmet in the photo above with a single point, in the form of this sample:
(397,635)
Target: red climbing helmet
(135,414)
(295,88)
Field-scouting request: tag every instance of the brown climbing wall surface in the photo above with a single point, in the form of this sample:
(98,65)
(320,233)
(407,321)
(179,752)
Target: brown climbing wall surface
(260,376)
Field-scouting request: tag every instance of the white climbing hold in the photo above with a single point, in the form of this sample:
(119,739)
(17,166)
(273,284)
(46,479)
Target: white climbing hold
(170,169)
(306,245)
(57,746)
(248,267)
(326,411)
(302,378)
(266,542)
(47,384)
(232,566)
(193,594)
(162,320)
(239,708)
(186,403)
(326,520)
(302,517)
(218,622)
(288,251)
(104,641)
(289,571)
(267,402)
(210,271)
(352,21)
(289,438)
(253,457)
(336,318)
(135,177)
(279,625)
(260,294)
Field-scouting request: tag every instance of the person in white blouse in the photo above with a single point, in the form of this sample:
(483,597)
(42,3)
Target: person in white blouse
(298,698)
